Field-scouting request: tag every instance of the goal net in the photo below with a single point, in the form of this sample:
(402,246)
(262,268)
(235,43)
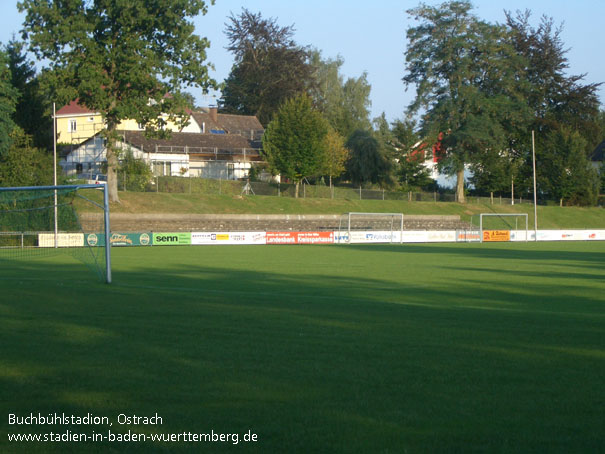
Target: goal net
(502,226)
(41,221)
(370,228)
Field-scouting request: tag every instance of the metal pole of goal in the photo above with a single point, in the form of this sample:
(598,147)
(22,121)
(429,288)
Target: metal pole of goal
(107,234)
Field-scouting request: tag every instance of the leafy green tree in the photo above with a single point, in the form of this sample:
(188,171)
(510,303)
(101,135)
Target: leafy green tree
(467,79)
(33,111)
(367,162)
(295,142)
(564,172)
(8,102)
(23,164)
(399,141)
(120,58)
(344,103)
(269,66)
(558,101)
(135,174)
(336,155)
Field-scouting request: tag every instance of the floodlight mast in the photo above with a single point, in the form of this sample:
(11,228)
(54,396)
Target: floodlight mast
(533,152)
(55,173)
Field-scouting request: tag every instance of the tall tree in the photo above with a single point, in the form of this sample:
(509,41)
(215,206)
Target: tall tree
(336,155)
(466,75)
(269,66)
(295,142)
(33,111)
(23,164)
(368,163)
(560,103)
(8,101)
(120,58)
(566,173)
(344,103)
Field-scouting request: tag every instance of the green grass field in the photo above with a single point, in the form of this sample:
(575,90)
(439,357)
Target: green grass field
(413,348)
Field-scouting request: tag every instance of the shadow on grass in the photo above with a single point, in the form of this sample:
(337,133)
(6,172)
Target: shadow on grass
(312,356)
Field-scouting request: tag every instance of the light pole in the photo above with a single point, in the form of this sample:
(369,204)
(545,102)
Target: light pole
(533,152)
(55,172)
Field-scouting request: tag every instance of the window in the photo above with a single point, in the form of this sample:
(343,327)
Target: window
(162,168)
(72,126)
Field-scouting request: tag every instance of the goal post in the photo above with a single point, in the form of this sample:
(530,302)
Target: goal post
(392,223)
(43,220)
(502,222)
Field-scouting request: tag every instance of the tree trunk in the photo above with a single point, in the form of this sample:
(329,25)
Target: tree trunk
(112,166)
(460,186)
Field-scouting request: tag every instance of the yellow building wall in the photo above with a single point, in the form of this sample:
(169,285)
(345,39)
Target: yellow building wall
(86,127)
(89,125)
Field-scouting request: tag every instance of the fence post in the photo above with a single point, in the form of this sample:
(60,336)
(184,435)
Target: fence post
(220,185)
(383,194)
(279,189)
(435,196)
(359,192)
(157,184)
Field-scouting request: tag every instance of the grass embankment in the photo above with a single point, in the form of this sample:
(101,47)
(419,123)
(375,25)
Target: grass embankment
(548,217)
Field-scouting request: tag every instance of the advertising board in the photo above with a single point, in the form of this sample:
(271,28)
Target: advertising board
(300,238)
(171,239)
(496,235)
(224,238)
(119,239)
(63,239)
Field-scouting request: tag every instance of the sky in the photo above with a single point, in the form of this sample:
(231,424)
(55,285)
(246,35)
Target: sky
(370,37)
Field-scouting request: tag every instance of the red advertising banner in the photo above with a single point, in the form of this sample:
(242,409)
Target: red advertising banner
(300,237)
(315,237)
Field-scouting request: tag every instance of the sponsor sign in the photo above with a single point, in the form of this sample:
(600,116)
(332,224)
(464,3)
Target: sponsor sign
(375,237)
(300,238)
(281,238)
(415,236)
(171,239)
(496,235)
(315,237)
(119,239)
(442,236)
(468,235)
(571,235)
(63,240)
(204,238)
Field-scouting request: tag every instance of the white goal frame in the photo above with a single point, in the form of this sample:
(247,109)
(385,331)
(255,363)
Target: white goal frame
(360,214)
(501,215)
(75,187)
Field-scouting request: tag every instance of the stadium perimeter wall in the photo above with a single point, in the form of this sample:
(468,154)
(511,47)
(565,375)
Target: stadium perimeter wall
(318,237)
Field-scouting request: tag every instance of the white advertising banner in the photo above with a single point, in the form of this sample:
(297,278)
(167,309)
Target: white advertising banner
(415,236)
(63,240)
(442,236)
(409,236)
(206,238)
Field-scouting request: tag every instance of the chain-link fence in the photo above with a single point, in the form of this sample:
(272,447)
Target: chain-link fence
(196,185)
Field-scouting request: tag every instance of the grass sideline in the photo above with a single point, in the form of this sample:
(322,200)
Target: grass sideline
(549,217)
(360,348)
